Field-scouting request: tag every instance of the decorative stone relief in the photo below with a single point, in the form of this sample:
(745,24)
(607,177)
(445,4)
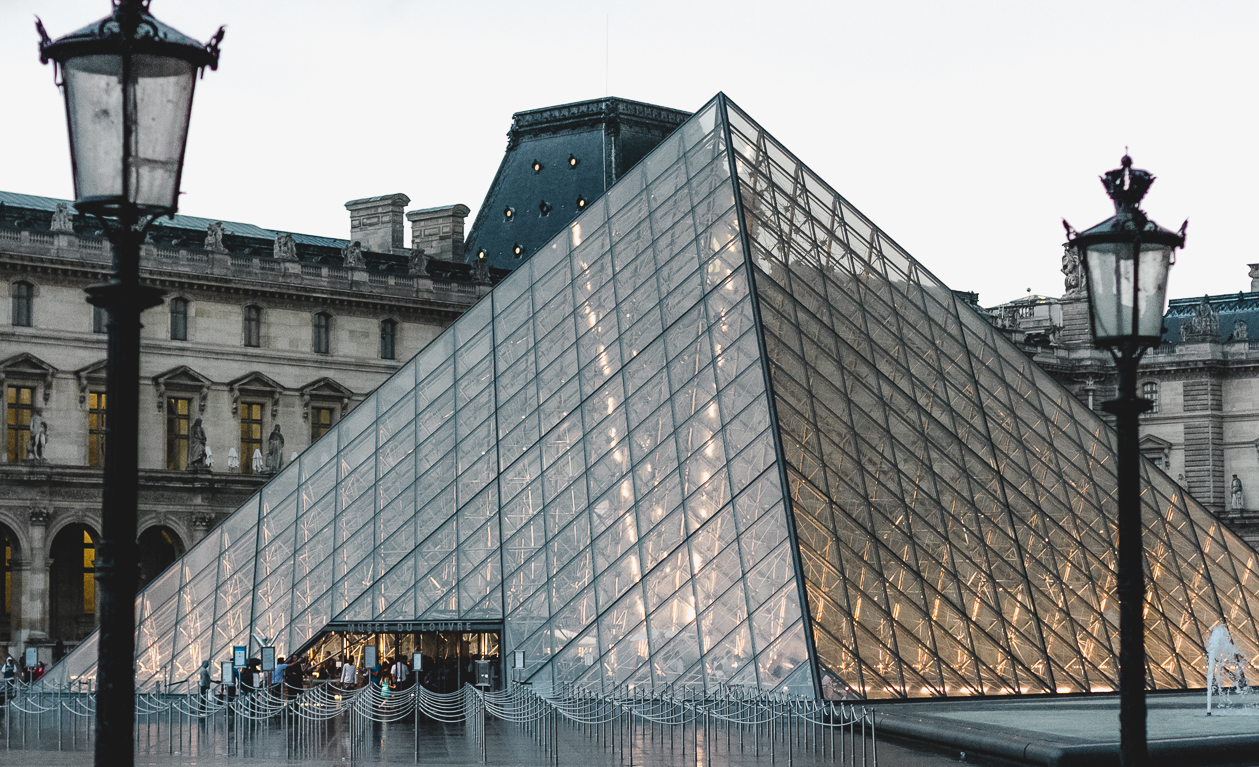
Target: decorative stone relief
(202,520)
(1240,331)
(481,272)
(1073,272)
(40,516)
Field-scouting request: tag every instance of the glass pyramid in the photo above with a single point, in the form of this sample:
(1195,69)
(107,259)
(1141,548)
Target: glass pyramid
(721,431)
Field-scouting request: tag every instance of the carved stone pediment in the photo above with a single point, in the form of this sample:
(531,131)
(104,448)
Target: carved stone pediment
(255,385)
(325,389)
(1156,449)
(182,379)
(28,367)
(91,376)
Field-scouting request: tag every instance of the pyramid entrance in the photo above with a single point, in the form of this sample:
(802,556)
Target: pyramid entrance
(451,653)
(722,431)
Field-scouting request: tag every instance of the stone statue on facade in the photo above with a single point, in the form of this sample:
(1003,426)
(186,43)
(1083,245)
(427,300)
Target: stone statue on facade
(1073,271)
(37,443)
(1240,331)
(1204,325)
(197,450)
(285,248)
(275,451)
(214,238)
(352,255)
(1237,496)
(481,272)
(61,219)
(418,266)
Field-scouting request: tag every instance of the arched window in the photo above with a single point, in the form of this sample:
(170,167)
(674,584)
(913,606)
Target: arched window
(23,299)
(179,319)
(253,326)
(388,337)
(322,328)
(1149,390)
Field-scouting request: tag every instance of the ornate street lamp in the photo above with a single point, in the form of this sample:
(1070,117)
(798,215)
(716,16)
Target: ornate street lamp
(1126,259)
(128,81)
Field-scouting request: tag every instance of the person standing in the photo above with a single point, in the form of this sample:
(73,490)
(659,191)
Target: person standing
(204,682)
(277,677)
(349,675)
(399,673)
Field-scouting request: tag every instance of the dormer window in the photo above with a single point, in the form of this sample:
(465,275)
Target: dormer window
(544,208)
(537,166)
(517,250)
(508,213)
(581,203)
(572,161)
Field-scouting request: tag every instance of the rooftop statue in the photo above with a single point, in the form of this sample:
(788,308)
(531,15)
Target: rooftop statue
(285,247)
(214,238)
(352,253)
(61,218)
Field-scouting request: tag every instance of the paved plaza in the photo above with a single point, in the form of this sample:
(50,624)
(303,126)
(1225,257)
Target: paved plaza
(441,744)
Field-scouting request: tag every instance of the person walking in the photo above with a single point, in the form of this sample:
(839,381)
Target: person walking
(9,672)
(399,673)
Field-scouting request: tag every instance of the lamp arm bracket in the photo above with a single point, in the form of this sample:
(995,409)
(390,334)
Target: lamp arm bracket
(212,48)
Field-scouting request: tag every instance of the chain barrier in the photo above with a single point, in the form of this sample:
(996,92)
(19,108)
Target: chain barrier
(623,722)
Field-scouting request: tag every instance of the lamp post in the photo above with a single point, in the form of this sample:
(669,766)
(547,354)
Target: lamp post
(128,81)
(1126,259)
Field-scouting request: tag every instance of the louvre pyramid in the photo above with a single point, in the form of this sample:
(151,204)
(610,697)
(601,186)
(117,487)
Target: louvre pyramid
(721,431)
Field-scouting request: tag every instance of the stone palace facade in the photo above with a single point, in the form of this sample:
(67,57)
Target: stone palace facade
(1203,379)
(264,342)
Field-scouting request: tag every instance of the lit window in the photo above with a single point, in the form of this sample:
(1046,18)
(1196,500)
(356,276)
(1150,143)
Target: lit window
(96,429)
(100,319)
(23,297)
(572,161)
(321,328)
(508,213)
(250,434)
(320,422)
(179,319)
(517,250)
(1149,390)
(177,412)
(89,574)
(253,326)
(581,202)
(480,253)
(544,208)
(20,407)
(388,335)
(537,166)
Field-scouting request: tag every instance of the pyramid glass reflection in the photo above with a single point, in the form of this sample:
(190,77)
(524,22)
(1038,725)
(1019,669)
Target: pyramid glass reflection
(722,431)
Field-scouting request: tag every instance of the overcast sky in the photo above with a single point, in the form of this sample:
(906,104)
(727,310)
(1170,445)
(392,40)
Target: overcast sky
(967,130)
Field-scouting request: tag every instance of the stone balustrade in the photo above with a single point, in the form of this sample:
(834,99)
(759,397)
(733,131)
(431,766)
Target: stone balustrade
(156,258)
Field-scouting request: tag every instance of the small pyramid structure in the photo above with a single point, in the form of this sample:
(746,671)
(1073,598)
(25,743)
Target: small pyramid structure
(722,431)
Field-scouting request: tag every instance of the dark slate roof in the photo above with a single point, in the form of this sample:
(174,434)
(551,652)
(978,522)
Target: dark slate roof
(605,136)
(1231,307)
(25,211)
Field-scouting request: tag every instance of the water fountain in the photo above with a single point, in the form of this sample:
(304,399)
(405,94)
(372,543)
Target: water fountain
(1226,674)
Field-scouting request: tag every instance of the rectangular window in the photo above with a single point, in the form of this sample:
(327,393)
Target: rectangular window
(89,574)
(8,577)
(100,318)
(21,406)
(1149,390)
(177,410)
(178,319)
(250,435)
(23,297)
(320,422)
(388,333)
(96,429)
(320,341)
(253,326)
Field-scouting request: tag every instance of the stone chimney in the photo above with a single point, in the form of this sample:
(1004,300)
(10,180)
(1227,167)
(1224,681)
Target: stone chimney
(439,231)
(1254,277)
(377,222)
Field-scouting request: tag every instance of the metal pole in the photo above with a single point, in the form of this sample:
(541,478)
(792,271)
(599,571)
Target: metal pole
(1127,409)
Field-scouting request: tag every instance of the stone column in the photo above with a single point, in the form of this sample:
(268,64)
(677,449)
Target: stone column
(33,622)
(201,524)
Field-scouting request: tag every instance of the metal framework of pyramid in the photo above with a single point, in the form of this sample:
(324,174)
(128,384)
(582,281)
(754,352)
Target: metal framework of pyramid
(721,431)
